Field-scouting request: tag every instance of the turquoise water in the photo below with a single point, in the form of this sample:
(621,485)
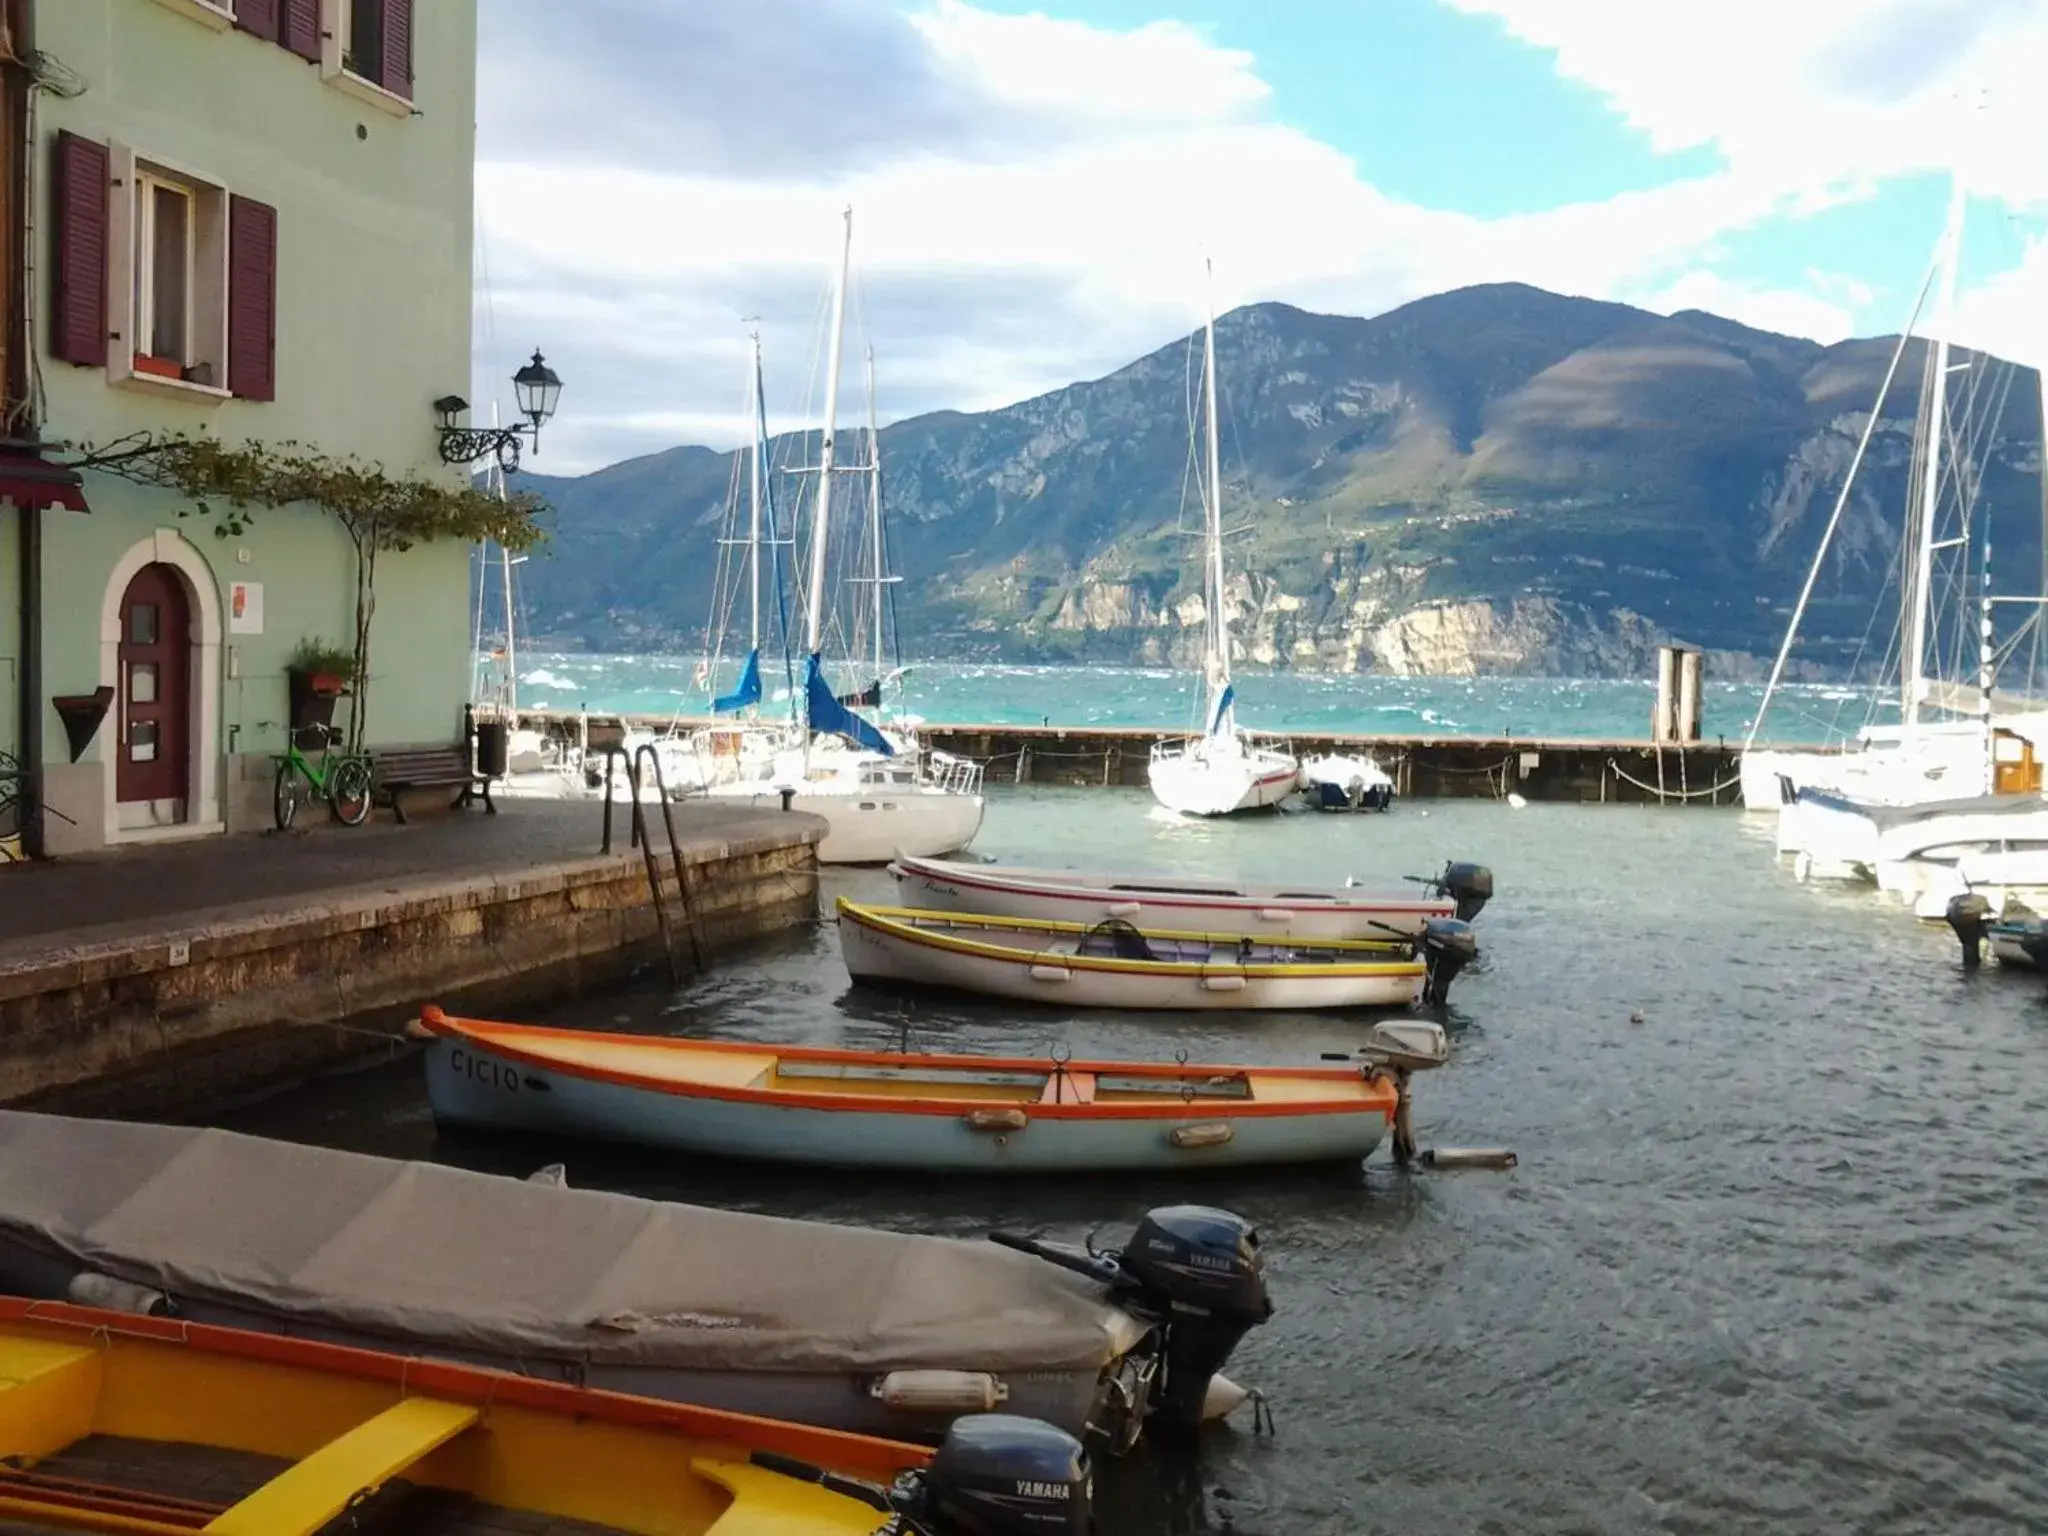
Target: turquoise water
(946,693)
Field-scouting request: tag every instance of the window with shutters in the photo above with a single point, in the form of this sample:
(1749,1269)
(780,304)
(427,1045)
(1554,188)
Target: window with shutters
(218,14)
(170,231)
(369,54)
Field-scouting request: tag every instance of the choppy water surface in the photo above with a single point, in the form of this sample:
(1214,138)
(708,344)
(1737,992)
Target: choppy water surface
(993,693)
(1774,1259)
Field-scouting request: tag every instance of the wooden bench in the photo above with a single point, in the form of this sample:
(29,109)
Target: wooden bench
(408,769)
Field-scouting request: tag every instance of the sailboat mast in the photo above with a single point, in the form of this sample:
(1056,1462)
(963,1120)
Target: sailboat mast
(875,511)
(1219,624)
(814,626)
(1913,661)
(754,497)
(505,565)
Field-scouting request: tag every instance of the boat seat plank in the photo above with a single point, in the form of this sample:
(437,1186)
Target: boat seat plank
(301,1500)
(766,1503)
(48,1391)
(1068,1088)
(657,1057)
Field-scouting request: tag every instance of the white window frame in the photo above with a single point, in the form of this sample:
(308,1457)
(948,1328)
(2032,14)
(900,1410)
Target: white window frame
(206,288)
(148,184)
(335,23)
(217,15)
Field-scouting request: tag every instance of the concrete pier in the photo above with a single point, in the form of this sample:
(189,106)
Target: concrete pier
(1423,767)
(155,980)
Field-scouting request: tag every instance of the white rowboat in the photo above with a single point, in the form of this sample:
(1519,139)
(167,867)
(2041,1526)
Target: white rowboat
(1116,965)
(1189,901)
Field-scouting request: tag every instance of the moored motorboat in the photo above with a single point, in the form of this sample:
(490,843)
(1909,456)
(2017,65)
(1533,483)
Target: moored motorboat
(1192,901)
(1115,964)
(1333,781)
(876,1109)
(840,1326)
(128,1423)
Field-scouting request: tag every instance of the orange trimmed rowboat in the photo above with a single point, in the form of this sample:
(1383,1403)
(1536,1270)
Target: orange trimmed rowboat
(878,1109)
(116,1422)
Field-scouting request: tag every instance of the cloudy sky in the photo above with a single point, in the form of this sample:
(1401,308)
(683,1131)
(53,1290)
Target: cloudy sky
(1035,186)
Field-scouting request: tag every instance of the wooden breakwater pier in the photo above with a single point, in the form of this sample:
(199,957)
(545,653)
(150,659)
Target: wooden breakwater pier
(1566,769)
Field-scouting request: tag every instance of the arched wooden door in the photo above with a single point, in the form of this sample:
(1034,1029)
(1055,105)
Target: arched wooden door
(155,694)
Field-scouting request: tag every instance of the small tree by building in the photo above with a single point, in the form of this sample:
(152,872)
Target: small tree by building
(233,483)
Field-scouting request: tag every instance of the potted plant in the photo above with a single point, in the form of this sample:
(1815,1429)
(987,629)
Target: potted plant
(317,674)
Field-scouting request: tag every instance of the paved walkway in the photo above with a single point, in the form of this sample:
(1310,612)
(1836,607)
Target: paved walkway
(77,899)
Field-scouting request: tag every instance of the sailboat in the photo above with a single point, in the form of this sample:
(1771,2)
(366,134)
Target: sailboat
(494,685)
(1903,815)
(1224,770)
(879,798)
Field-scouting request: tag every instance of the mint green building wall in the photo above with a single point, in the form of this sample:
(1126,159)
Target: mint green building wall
(374,241)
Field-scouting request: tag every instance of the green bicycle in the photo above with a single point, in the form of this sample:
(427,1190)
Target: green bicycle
(342,779)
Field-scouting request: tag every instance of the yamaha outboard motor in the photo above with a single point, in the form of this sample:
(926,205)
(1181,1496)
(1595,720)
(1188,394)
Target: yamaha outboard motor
(995,1474)
(1448,946)
(1969,918)
(1193,1271)
(1000,1475)
(1469,885)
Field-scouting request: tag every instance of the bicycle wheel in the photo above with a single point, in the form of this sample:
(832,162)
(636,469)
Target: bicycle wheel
(284,797)
(348,789)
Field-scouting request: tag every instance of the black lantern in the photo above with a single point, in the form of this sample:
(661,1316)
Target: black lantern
(537,389)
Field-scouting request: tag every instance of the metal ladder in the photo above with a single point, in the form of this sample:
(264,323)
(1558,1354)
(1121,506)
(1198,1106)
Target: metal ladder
(641,840)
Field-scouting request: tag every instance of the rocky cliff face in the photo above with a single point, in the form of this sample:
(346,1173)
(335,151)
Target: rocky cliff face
(1496,480)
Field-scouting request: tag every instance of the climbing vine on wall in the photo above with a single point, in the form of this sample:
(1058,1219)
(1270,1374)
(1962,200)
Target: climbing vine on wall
(234,483)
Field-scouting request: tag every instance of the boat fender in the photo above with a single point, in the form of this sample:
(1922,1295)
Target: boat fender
(91,1289)
(1969,918)
(1213,1134)
(556,1174)
(1224,981)
(1051,973)
(952,1392)
(995,1119)
(1123,909)
(1274,914)
(1468,1157)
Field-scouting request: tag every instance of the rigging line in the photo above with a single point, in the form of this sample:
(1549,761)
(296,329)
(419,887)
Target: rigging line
(1841,502)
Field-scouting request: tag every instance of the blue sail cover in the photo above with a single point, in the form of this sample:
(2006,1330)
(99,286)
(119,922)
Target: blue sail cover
(827,714)
(749,690)
(1222,707)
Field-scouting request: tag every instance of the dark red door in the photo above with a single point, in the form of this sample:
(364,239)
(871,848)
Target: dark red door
(155,688)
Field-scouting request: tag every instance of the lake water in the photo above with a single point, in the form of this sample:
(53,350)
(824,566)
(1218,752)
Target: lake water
(947,693)
(1773,1259)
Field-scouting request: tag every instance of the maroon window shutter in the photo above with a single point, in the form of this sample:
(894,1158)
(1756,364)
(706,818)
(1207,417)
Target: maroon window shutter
(398,48)
(299,28)
(78,195)
(258,17)
(252,299)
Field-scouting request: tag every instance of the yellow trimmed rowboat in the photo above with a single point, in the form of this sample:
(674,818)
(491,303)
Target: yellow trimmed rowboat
(881,1109)
(145,1426)
(1116,964)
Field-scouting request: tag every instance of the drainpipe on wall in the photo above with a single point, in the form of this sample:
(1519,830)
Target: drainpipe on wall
(20,124)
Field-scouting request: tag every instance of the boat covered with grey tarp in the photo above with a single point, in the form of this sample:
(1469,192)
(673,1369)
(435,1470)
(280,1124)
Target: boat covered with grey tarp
(843,1326)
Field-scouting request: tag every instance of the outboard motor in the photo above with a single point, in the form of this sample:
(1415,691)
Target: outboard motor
(1469,885)
(1196,1273)
(1448,946)
(1969,917)
(2033,942)
(995,1474)
(1000,1475)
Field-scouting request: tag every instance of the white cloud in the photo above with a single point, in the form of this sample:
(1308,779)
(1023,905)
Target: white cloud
(1073,241)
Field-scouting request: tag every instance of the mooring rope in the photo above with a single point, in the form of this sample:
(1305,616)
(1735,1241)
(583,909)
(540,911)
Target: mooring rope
(1672,794)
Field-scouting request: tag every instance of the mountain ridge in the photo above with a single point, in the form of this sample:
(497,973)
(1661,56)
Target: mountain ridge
(1491,479)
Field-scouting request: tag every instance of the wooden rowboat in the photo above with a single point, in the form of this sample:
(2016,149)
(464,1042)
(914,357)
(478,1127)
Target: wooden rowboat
(1185,901)
(1115,964)
(148,1426)
(874,1109)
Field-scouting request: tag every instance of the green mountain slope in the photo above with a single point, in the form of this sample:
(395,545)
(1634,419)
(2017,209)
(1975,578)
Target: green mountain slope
(1496,479)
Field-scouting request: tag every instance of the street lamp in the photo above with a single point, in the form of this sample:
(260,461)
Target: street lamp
(536,388)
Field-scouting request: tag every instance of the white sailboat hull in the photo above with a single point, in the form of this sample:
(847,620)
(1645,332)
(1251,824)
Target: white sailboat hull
(1220,776)
(873,825)
(1162,901)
